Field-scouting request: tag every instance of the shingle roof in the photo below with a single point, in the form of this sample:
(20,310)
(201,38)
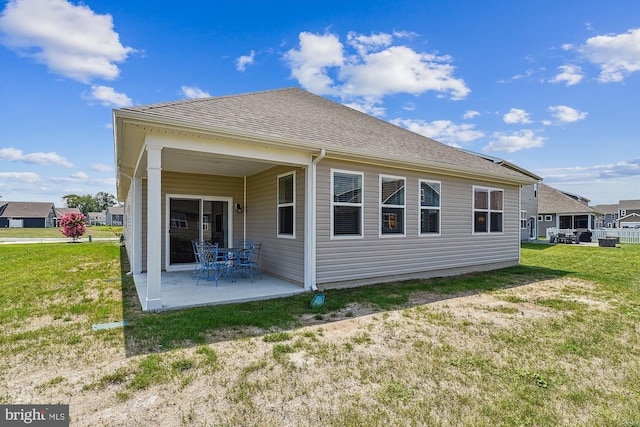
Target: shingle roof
(116,210)
(630,204)
(313,121)
(27,210)
(552,201)
(606,209)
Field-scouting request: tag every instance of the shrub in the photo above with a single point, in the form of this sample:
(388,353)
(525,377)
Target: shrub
(73,225)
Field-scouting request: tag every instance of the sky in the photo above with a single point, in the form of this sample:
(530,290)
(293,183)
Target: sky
(552,86)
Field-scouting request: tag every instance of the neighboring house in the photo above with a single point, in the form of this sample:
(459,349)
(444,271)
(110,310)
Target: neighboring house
(629,214)
(608,216)
(115,216)
(27,214)
(97,218)
(563,210)
(528,199)
(336,197)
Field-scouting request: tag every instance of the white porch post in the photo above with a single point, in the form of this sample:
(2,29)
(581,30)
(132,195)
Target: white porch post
(154,228)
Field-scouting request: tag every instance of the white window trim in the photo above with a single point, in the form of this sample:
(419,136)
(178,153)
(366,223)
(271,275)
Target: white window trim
(548,218)
(488,210)
(360,205)
(523,216)
(540,217)
(381,205)
(284,205)
(420,207)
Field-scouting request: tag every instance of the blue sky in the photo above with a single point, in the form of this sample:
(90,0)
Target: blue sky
(552,86)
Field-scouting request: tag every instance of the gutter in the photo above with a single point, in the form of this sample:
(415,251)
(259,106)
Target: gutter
(313,226)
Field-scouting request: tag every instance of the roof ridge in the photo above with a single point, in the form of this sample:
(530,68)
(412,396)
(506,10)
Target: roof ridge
(146,107)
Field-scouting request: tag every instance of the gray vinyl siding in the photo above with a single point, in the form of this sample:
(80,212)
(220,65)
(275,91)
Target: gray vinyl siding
(529,204)
(193,185)
(372,256)
(281,257)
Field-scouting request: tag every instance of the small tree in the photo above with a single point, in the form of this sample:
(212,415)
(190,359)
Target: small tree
(73,225)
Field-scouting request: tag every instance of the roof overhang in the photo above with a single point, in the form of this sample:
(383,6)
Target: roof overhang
(130,128)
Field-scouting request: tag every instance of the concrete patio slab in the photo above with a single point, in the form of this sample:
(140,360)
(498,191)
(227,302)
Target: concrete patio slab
(179,290)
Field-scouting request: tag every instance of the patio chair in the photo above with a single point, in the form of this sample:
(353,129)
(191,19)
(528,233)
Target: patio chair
(196,256)
(256,258)
(245,263)
(212,265)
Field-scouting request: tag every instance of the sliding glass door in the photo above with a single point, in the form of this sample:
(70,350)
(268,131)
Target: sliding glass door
(196,219)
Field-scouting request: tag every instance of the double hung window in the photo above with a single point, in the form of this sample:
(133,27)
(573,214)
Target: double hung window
(346,200)
(392,205)
(487,210)
(429,207)
(286,205)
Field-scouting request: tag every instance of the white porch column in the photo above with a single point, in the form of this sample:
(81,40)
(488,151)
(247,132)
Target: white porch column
(154,228)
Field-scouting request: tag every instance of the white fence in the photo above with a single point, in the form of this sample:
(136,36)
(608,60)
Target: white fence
(626,235)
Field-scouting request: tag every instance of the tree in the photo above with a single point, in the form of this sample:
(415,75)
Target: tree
(73,225)
(105,200)
(85,203)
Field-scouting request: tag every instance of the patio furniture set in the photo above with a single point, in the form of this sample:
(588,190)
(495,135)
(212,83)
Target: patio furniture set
(214,262)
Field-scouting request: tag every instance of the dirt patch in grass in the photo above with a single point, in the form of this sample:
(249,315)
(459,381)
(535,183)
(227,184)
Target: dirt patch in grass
(442,359)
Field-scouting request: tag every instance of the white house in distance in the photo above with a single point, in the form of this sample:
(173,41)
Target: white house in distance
(336,197)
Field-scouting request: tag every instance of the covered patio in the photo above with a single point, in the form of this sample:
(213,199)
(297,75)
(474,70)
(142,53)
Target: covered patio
(179,290)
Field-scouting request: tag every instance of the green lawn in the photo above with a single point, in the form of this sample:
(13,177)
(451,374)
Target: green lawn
(554,341)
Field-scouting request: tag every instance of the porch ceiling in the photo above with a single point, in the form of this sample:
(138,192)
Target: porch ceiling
(175,160)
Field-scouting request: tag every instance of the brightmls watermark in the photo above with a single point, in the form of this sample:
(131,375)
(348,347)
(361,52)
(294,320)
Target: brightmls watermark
(34,415)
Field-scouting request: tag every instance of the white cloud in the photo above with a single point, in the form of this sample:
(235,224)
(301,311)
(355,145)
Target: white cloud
(76,177)
(516,115)
(442,130)
(14,155)
(70,40)
(244,60)
(515,141)
(368,106)
(570,75)
(566,114)
(192,92)
(108,97)
(470,114)
(28,177)
(373,67)
(617,55)
(99,167)
(625,168)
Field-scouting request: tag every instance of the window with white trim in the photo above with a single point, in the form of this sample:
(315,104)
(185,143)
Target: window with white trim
(392,205)
(523,219)
(429,207)
(346,203)
(539,217)
(548,218)
(287,205)
(488,210)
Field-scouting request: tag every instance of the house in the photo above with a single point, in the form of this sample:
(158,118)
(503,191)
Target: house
(629,214)
(563,210)
(336,197)
(97,218)
(609,215)
(114,215)
(27,214)
(528,199)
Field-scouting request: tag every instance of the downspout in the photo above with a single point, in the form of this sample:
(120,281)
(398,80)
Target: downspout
(244,210)
(313,228)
